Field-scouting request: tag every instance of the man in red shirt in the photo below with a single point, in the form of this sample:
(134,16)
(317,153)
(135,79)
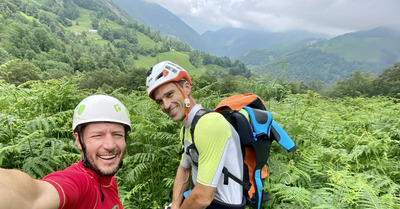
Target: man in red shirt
(100,126)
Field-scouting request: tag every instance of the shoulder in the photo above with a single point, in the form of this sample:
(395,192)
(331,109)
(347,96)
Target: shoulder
(213,123)
(71,175)
(73,185)
(213,117)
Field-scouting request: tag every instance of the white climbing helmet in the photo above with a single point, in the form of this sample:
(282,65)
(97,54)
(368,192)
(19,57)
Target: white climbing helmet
(163,73)
(100,108)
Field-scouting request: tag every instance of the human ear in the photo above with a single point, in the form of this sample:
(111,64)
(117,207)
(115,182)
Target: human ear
(187,88)
(77,141)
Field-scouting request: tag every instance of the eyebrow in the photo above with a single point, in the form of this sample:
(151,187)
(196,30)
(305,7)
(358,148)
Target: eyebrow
(165,94)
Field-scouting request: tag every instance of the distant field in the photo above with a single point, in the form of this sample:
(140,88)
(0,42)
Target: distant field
(181,59)
(148,61)
(84,24)
(145,41)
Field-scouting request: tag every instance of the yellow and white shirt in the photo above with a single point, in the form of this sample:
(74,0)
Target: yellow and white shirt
(218,146)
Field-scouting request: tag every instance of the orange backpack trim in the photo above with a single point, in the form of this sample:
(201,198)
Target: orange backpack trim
(237,102)
(250,160)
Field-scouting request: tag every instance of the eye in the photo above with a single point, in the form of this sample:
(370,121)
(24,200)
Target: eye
(159,102)
(95,135)
(169,94)
(119,135)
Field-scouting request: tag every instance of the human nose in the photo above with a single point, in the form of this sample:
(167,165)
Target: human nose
(166,104)
(109,142)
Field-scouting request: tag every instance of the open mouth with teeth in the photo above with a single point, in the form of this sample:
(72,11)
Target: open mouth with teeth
(107,157)
(173,111)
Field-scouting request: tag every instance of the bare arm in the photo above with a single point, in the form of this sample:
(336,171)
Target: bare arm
(200,197)
(19,190)
(180,186)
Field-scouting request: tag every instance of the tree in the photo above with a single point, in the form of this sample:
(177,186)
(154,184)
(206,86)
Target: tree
(207,59)
(86,64)
(18,71)
(95,22)
(4,56)
(131,80)
(228,85)
(358,84)
(203,81)
(195,58)
(43,39)
(96,79)
(388,82)
(239,68)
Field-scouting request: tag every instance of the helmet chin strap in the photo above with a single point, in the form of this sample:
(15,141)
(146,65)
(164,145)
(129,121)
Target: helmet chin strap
(186,100)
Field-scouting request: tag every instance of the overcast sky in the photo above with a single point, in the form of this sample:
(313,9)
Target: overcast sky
(333,17)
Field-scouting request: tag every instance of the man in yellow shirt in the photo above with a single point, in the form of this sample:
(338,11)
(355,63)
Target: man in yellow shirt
(217,143)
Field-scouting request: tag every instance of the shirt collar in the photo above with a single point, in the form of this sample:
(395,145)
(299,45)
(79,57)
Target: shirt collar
(191,115)
(105,180)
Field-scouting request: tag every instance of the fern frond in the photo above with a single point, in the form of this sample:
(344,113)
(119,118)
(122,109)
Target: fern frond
(39,166)
(134,191)
(367,198)
(322,198)
(168,182)
(136,172)
(297,196)
(8,152)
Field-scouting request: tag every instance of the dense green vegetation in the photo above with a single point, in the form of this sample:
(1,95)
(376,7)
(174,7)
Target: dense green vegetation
(348,136)
(347,157)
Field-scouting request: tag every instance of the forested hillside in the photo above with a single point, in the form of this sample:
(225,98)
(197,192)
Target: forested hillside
(330,60)
(348,136)
(50,39)
(159,18)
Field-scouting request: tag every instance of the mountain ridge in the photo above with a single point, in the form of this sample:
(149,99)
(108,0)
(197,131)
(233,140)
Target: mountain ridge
(159,18)
(367,51)
(233,42)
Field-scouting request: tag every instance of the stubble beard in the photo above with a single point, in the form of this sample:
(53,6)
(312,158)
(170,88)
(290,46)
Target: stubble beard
(102,172)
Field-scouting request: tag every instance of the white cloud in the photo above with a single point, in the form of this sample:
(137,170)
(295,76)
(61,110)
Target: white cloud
(325,16)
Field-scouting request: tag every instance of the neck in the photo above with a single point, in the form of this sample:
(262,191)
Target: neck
(192,112)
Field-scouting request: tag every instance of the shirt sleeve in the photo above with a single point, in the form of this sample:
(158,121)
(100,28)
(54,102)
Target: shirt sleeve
(69,187)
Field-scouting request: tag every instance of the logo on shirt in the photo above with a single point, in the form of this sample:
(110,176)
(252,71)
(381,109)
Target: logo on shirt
(116,207)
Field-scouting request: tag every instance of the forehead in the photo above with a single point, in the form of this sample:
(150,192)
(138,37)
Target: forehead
(104,126)
(160,91)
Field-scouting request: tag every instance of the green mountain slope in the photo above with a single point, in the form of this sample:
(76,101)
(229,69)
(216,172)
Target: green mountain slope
(381,45)
(161,19)
(233,42)
(46,39)
(330,60)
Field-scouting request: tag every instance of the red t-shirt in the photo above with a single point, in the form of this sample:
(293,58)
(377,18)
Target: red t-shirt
(79,188)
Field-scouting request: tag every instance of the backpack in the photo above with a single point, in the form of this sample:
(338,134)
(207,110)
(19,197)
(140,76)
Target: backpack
(256,133)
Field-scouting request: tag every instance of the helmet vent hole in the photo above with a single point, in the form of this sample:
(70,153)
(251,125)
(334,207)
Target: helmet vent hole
(149,71)
(159,75)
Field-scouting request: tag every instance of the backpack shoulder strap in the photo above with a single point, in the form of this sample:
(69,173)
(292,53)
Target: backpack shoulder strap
(196,118)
